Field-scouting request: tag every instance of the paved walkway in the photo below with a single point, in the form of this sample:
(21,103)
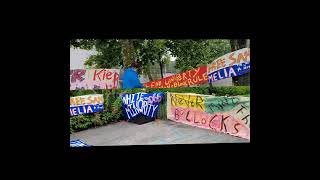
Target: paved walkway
(156,132)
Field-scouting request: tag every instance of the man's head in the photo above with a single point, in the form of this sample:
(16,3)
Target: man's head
(134,65)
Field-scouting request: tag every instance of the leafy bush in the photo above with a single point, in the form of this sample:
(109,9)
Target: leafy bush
(113,111)
(82,121)
(82,92)
(231,91)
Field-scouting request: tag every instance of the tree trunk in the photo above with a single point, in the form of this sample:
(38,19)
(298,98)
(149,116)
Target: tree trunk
(242,43)
(244,79)
(210,89)
(161,68)
(146,70)
(233,44)
(128,52)
(248,43)
(149,76)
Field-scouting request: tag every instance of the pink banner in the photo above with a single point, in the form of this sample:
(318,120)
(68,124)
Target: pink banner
(229,115)
(218,122)
(94,79)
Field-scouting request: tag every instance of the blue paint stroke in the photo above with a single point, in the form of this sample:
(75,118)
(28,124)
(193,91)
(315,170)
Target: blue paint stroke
(141,103)
(231,71)
(86,109)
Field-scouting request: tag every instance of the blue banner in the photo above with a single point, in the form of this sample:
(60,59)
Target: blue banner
(86,109)
(78,143)
(231,71)
(141,103)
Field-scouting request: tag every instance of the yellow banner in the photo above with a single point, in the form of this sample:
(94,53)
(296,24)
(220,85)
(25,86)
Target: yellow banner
(187,101)
(86,100)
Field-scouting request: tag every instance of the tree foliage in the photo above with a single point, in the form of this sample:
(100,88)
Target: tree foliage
(153,51)
(114,52)
(189,53)
(82,43)
(109,54)
(194,53)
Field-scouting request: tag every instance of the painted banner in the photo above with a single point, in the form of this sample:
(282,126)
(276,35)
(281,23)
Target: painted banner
(229,115)
(191,77)
(230,65)
(141,103)
(94,79)
(86,104)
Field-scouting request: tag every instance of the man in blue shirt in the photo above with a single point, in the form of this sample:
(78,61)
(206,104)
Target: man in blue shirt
(130,78)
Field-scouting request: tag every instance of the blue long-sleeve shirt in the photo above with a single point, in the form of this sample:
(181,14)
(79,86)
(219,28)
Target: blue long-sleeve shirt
(130,79)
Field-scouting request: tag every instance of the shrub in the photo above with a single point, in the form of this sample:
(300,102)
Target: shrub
(231,91)
(81,122)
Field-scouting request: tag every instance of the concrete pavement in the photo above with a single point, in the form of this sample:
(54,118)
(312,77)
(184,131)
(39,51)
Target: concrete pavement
(156,132)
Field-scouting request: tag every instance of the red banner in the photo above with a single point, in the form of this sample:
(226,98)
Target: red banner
(191,77)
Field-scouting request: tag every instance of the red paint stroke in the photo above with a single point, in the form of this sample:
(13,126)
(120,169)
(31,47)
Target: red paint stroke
(191,77)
